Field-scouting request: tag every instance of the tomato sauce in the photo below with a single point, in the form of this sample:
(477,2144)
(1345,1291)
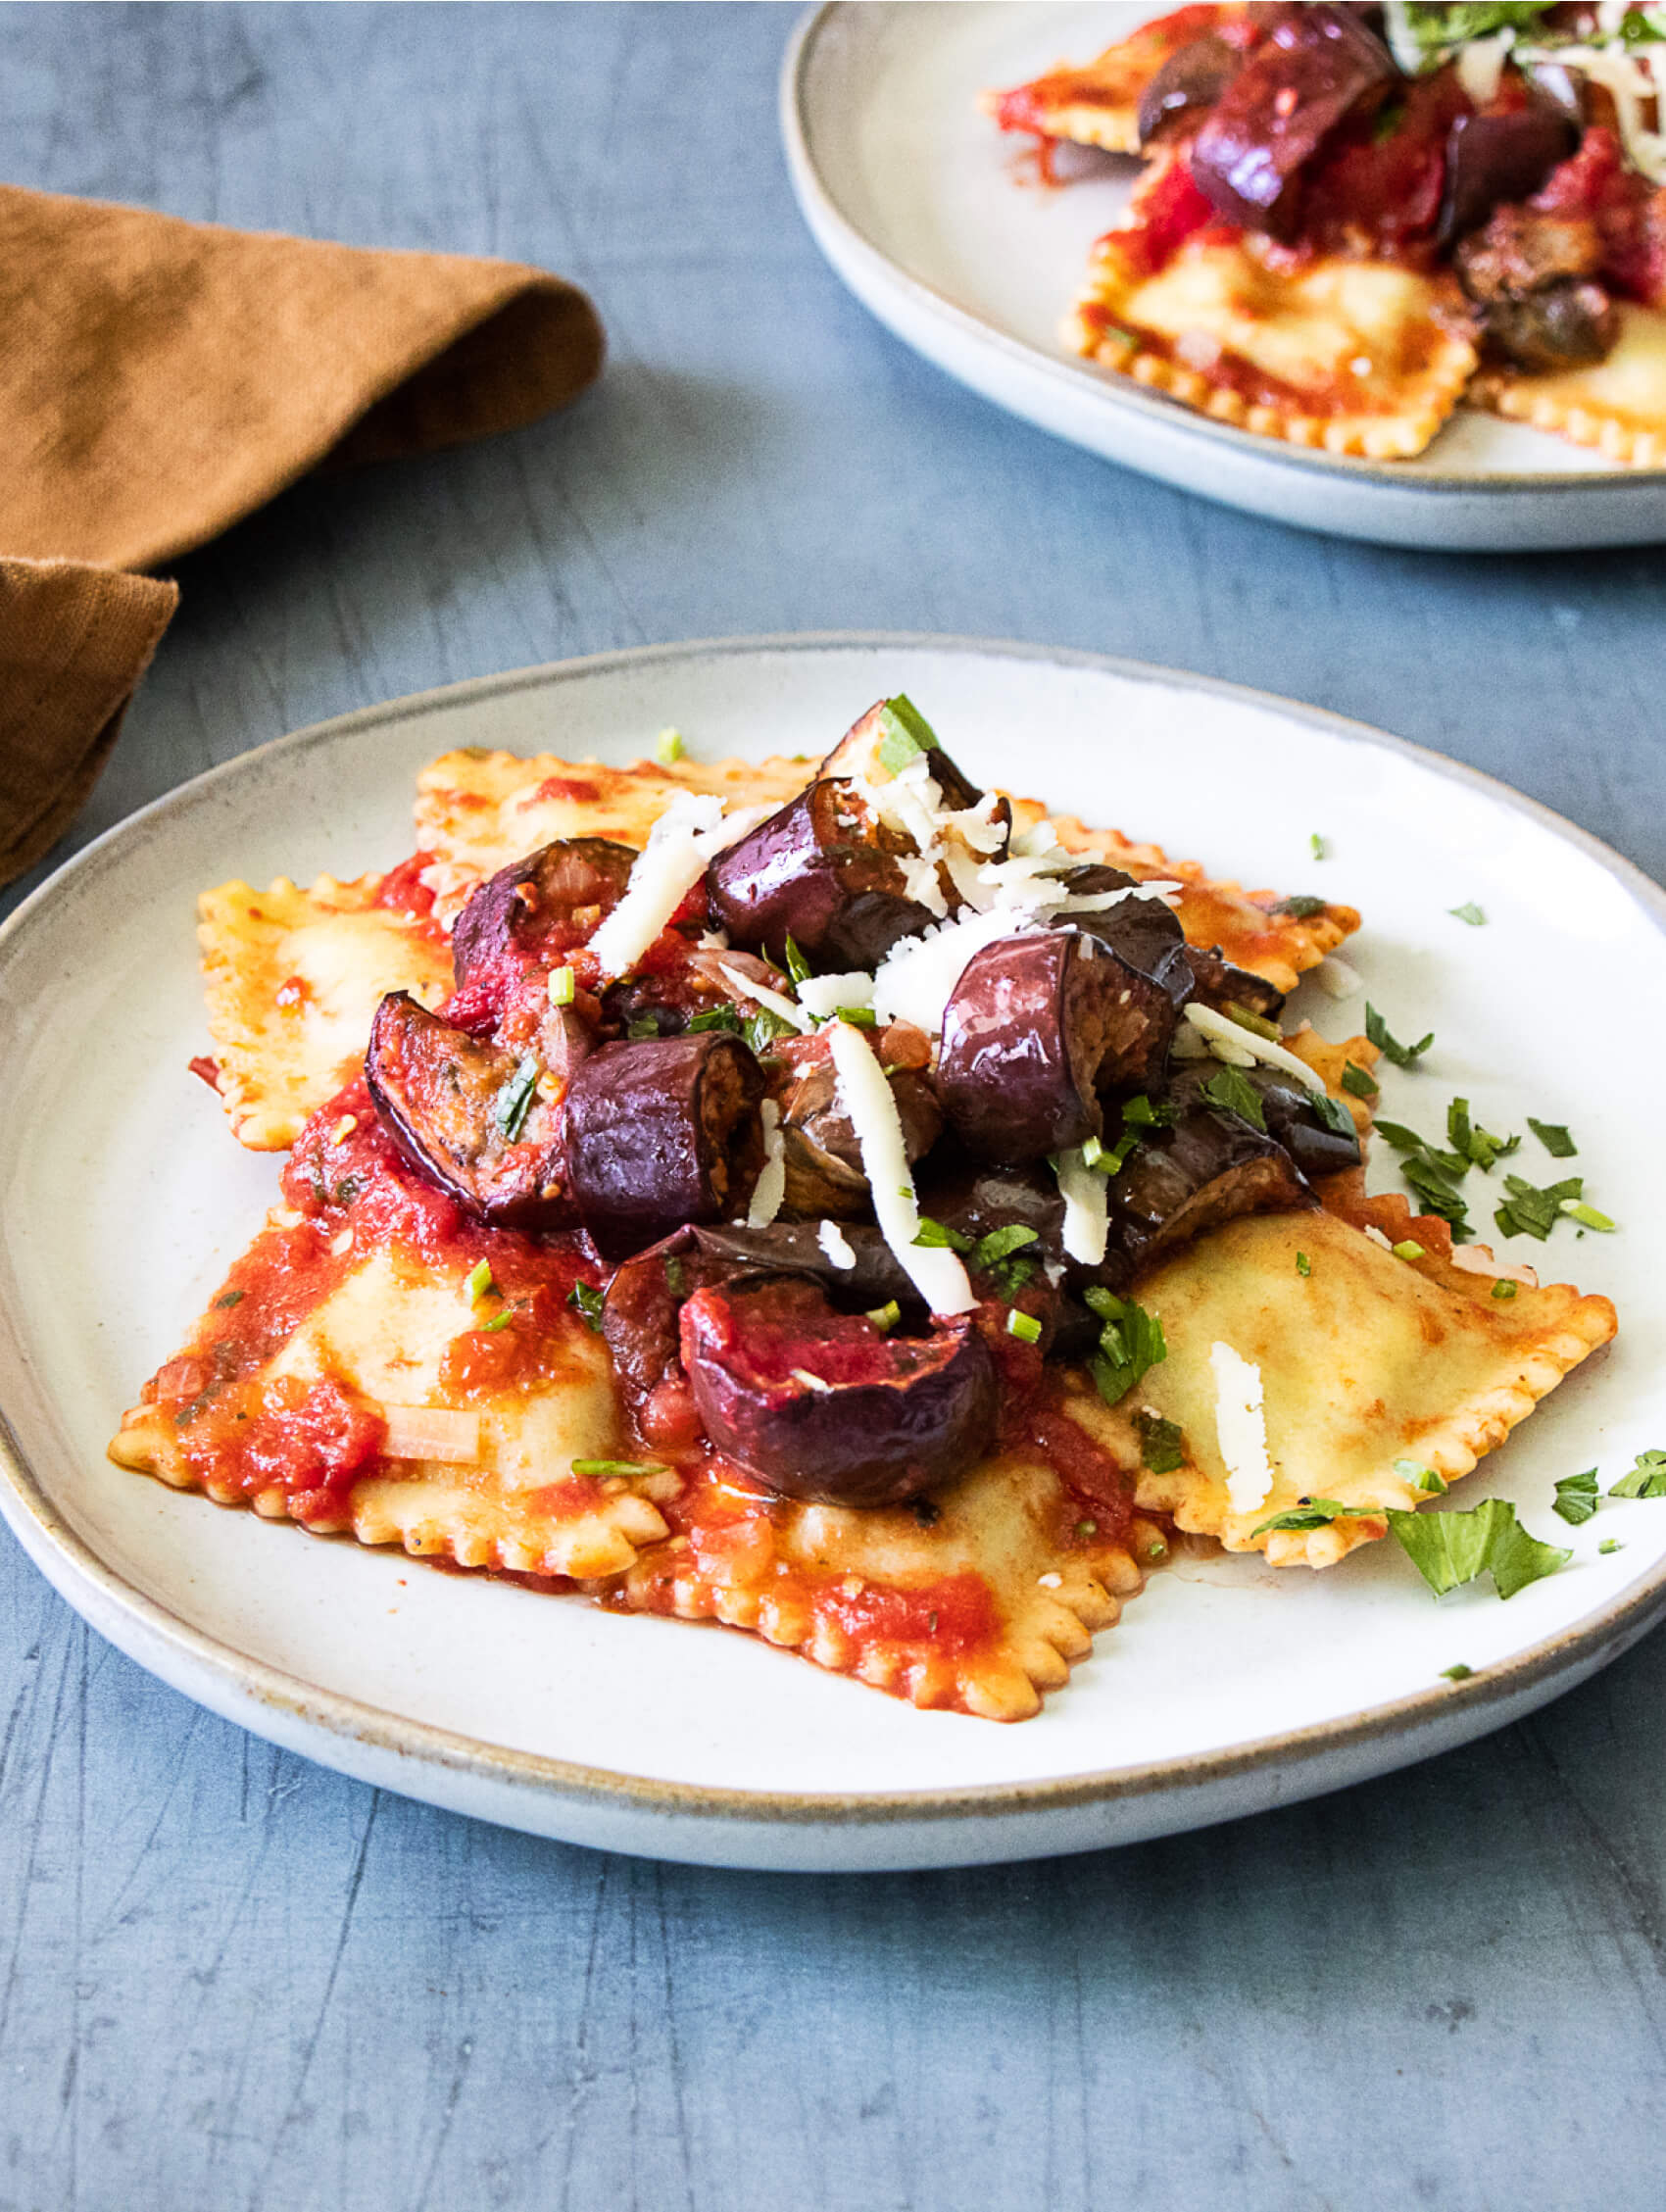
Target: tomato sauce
(402,890)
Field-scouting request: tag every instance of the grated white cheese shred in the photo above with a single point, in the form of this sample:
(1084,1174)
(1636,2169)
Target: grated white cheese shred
(1218,1029)
(865,1095)
(1635,78)
(1240,1428)
(916,978)
(822,994)
(1479,1259)
(1087,1207)
(835,1244)
(749,988)
(691,831)
(771,1185)
(1377,1237)
(1337,979)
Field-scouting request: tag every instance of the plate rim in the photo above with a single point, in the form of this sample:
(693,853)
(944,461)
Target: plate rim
(1435,485)
(85,1580)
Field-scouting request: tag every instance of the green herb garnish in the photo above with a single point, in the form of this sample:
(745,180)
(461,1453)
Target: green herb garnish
(1162,1444)
(229,1298)
(798,967)
(1302,907)
(1025,1326)
(1390,1046)
(858,1017)
(1576,1498)
(625,1467)
(515,1100)
(885,1317)
(1420,1477)
(498,1321)
(1407,1248)
(937,1235)
(1257,1023)
(669,746)
(764,1027)
(479,1280)
(1303,1265)
(644,1025)
(718,1017)
(904,733)
(1477,1145)
(1504,1291)
(1589,1217)
(1450,1548)
(1610,1543)
(1139,1112)
(1469,912)
(1229,1089)
(999,1244)
(1356,1080)
(1647,1479)
(1131,1343)
(587,1302)
(1332,1112)
(1316,846)
(1531,1213)
(1554,1137)
(561,985)
(1456,1673)
(1314,1513)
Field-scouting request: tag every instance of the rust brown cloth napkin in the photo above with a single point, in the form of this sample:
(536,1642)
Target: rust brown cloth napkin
(161,379)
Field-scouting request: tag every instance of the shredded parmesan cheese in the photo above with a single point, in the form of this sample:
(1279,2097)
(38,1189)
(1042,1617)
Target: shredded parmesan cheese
(1478,1259)
(1087,1207)
(1240,1428)
(865,1096)
(823,995)
(691,829)
(1218,1029)
(765,997)
(1337,979)
(771,1185)
(836,1244)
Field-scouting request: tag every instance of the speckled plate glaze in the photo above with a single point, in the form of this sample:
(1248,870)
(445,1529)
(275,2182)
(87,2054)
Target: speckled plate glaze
(937,222)
(1225,1690)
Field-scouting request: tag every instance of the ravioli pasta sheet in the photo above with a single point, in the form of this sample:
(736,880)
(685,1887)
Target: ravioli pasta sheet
(1357,357)
(292,978)
(1099,104)
(1617,406)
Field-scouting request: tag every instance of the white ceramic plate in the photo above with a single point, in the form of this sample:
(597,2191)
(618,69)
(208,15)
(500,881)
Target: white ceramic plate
(934,219)
(1226,1687)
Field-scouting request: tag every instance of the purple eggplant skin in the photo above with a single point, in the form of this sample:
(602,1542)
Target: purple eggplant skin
(1216,982)
(439,1092)
(660,1132)
(1180,1182)
(815,872)
(1316,65)
(920,1411)
(1491,158)
(1145,936)
(824,1170)
(1037,1029)
(517,907)
(1287,1106)
(1191,80)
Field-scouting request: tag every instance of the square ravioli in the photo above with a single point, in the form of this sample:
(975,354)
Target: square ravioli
(292,979)
(1618,405)
(1098,103)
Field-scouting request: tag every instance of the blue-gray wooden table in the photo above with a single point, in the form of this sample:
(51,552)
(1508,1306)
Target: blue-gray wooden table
(229,1979)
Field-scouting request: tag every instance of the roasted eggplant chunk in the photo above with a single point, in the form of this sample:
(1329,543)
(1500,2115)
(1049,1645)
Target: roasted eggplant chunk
(819,1404)
(1037,1030)
(1206,1169)
(662,1132)
(1532,278)
(1314,1139)
(1316,65)
(563,891)
(467,1117)
(824,1170)
(825,871)
(1490,158)
(1186,88)
(1216,983)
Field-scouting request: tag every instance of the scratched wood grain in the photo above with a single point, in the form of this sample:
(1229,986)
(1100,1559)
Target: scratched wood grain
(231,1980)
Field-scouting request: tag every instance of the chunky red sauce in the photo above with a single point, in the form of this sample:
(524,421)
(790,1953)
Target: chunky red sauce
(402,890)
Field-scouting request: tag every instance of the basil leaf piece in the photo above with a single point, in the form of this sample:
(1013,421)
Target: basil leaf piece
(1141,1113)
(1131,1343)
(798,967)
(1403,1056)
(1162,1444)
(587,1301)
(1554,1137)
(764,1027)
(1302,908)
(1232,1094)
(936,1235)
(1420,1477)
(514,1101)
(1451,1548)
(1480,1148)
(1438,1193)
(1530,1212)
(1469,912)
(1647,1479)
(1576,1498)
(999,1244)
(1315,1513)
(718,1017)
(1332,1112)
(1357,1081)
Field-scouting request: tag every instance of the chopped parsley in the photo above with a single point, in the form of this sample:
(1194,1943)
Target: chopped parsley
(625,1467)
(1108,1161)
(999,1244)
(1477,1145)
(1390,1046)
(904,733)
(515,1100)
(1554,1137)
(1162,1444)
(1139,1112)
(1576,1498)
(677,1275)
(858,1017)
(228,1299)
(1303,1265)
(1316,846)
(1332,1112)
(1504,1291)
(587,1301)
(1025,1326)
(718,1017)
(1131,1343)
(1302,906)
(1469,912)
(764,1027)
(1230,1091)
(1457,1672)
(1647,1479)
(798,967)
(1313,1514)
(644,1025)
(1451,1548)
(1420,1477)
(1531,1213)
(937,1235)
(1357,1081)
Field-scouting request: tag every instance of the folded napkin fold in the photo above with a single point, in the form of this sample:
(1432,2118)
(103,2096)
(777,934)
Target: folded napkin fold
(161,379)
